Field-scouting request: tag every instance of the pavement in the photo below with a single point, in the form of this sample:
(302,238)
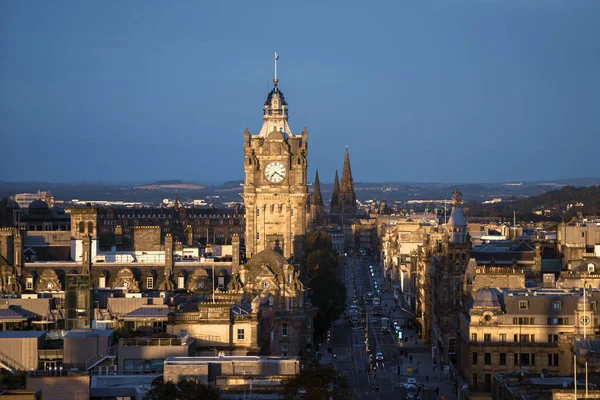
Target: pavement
(352,346)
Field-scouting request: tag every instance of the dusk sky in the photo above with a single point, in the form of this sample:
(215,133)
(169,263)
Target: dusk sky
(448,91)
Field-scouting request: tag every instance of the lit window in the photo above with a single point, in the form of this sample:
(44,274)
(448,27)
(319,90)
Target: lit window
(240,334)
(284,329)
(29,284)
(180,282)
(150,282)
(102,282)
(556,305)
(265,284)
(473,337)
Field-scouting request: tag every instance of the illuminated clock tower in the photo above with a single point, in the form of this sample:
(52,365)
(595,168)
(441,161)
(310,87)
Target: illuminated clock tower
(275,190)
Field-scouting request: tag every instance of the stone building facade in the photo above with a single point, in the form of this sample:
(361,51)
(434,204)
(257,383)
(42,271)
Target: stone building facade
(522,330)
(275,189)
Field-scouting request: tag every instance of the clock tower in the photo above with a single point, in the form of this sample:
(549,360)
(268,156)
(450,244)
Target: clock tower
(275,190)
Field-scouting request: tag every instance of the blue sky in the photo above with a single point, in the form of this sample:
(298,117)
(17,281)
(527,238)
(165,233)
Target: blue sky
(434,91)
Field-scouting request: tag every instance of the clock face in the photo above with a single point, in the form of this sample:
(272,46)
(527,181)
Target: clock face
(275,172)
(584,320)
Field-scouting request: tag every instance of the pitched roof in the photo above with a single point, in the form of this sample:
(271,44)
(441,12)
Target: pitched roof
(84,333)
(21,334)
(148,312)
(7,314)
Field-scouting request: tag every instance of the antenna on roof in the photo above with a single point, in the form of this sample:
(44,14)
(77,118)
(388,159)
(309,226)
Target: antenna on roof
(276,58)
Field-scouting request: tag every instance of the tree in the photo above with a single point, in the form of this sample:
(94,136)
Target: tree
(317,384)
(185,389)
(329,295)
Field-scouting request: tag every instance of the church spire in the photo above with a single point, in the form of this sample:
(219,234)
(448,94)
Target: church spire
(347,197)
(347,182)
(316,199)
(334,207)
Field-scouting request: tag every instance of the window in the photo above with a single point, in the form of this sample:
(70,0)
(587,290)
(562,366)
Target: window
(284,329)
(502,359)
(29,284)
(82,227)
(516,359)
(474,358)
(488,382)
(552,338)
(523,305)
(487,337)
(180,282)
(284,349)
(241,334)
(503,337)
(474,382)
(90,228)
(221,282)
(532,338)
(515,337)
(102,282)
(473,337)
(257,235)
(556,305)
(257,212)
(150,282)
(553,360)
(265,284)
(487,358)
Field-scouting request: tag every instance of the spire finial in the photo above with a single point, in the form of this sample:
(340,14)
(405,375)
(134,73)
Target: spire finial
(276,59)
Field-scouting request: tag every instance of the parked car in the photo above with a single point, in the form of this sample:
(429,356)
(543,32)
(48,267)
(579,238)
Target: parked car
(379,356)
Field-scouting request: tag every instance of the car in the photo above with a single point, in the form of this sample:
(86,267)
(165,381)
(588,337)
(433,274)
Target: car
(411,381)
(379,356)
(370,295)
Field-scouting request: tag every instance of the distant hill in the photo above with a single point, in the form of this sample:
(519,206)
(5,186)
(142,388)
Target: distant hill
(556,204)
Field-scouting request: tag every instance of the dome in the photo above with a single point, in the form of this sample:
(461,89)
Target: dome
(486,297)
(270,257)
(10,203)
(38,205)
(457,219)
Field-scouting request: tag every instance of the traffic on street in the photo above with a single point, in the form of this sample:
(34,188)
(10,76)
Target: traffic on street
(374,344)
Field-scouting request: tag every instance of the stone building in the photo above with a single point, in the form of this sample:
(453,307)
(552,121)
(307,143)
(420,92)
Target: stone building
(534,330)
(275,188)
(189,225)
(578,240)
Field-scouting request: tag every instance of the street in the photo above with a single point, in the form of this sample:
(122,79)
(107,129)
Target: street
(353,347)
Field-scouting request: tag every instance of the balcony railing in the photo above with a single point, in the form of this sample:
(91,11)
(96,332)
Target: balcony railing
(152,342)
(110,352)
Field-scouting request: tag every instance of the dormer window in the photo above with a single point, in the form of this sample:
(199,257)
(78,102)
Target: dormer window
(29,283)
(556,305)
(591,268)
(523,305)
(102,282)
(180,282)
(265,284)
(150,282)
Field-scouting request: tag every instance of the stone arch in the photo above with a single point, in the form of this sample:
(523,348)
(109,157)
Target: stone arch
(81,227)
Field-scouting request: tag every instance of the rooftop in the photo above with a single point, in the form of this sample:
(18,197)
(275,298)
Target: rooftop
(21,334)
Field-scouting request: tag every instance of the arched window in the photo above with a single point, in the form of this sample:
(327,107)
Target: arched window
(82,227)
(90,228)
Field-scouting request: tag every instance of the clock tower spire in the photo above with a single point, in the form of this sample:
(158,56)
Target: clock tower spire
(275,189)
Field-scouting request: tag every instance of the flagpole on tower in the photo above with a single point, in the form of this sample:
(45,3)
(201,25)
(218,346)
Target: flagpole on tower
(276,58)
